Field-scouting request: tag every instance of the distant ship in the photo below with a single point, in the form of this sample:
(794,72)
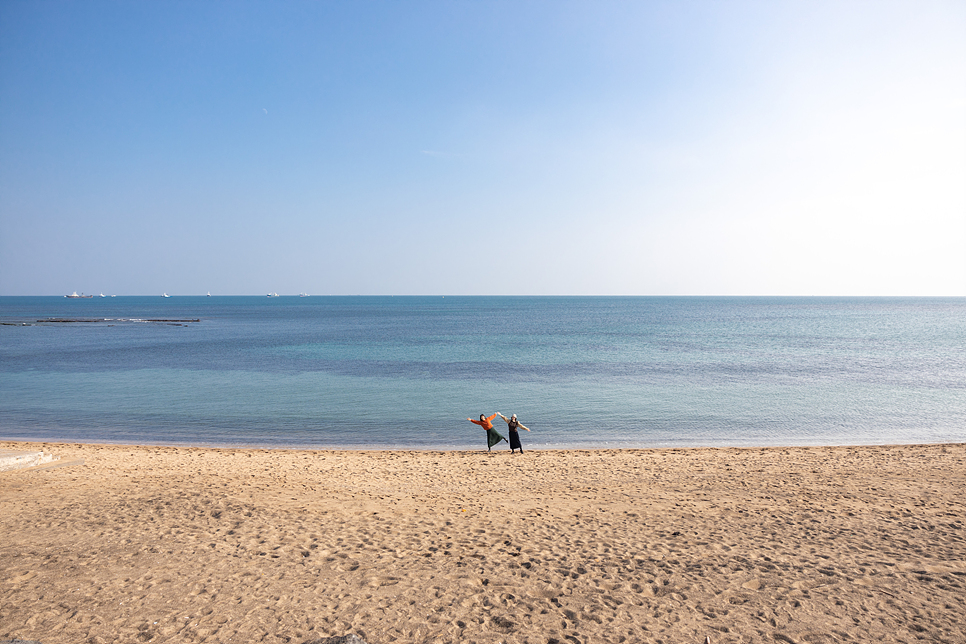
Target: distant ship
(165,295)
(303,294)
(209,293)
(102,295)
(272,295)
(74,295)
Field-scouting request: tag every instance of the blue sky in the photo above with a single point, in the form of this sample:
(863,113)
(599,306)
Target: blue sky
(612,148)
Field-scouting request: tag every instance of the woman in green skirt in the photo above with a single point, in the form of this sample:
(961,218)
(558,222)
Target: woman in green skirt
(492,436)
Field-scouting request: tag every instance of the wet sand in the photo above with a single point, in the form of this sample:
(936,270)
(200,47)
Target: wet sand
(802,545)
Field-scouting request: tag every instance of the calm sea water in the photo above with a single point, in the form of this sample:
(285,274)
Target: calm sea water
(406,372)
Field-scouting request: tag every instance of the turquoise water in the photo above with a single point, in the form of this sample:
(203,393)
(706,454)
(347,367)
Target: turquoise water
(406,372)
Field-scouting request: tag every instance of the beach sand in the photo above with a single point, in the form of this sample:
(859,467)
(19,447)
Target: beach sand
(169,544)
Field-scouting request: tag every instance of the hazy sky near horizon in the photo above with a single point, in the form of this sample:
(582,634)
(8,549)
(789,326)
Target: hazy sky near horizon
(638,148)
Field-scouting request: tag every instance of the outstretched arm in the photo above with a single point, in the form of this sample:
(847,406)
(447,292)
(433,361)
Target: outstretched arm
(505,419)
(523,427)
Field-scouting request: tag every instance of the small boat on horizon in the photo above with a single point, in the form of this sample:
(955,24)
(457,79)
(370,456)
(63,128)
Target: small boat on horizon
(272,295)
(74,296)
(165,295)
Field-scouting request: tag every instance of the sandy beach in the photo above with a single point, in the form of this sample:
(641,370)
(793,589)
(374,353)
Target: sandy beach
(803,545)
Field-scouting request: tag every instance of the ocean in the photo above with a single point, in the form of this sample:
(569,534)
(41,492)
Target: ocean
(406,372)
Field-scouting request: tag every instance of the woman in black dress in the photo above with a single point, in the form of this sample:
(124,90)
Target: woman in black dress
(513,424)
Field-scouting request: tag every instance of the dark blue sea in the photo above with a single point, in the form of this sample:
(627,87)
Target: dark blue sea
(406,372)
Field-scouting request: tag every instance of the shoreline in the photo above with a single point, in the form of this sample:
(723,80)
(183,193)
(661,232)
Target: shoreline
(742,544)
(531,445)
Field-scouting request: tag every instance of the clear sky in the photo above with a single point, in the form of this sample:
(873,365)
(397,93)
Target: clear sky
(457,147)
